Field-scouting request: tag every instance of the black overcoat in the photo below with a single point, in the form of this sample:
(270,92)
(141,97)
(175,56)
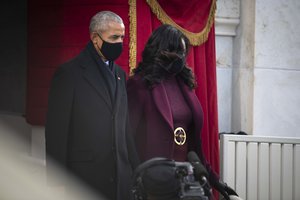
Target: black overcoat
(87,124)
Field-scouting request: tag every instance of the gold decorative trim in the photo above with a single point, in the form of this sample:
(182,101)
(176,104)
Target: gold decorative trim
(195,38)
(132,35)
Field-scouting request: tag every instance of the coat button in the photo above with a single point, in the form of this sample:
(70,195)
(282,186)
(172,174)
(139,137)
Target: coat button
(111,180)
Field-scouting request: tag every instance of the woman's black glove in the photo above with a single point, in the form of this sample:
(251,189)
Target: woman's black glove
(224,189)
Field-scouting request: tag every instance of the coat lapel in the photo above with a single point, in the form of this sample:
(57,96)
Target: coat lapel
(94,76)
(162,103)
(194,104)
(119,88)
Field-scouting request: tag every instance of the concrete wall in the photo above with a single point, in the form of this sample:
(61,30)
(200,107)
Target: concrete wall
(258,67)
(276,103)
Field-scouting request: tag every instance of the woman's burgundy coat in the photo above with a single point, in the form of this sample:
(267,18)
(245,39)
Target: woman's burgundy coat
(152,122)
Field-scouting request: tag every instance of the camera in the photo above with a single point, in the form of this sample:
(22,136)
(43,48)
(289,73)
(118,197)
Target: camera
(165,179)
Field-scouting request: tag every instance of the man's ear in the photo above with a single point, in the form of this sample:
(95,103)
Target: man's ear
(94,37)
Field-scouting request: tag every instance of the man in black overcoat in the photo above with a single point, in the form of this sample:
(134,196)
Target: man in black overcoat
(87,118)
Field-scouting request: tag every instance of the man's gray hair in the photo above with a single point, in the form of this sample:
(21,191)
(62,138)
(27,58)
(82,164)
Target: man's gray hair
(100,21)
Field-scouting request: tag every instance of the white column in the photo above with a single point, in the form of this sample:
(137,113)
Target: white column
(226,22)
(243,64)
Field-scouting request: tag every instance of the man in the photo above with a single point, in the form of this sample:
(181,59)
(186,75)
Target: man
(87,122)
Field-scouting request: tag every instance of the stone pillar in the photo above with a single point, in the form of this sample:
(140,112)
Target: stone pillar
(226,22)
(243,67)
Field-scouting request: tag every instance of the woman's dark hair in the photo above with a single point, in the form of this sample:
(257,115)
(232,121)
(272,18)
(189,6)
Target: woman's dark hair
(165,45)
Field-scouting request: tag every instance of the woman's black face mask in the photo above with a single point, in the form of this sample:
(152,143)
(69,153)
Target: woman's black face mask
(176,66)
(111,51)
(172,62)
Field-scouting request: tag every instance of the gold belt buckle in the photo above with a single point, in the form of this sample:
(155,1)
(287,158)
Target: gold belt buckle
(179,136)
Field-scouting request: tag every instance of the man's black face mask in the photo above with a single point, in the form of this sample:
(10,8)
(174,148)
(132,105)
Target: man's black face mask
(111,51)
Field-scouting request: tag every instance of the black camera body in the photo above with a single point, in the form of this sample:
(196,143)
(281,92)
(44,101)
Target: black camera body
(165,179)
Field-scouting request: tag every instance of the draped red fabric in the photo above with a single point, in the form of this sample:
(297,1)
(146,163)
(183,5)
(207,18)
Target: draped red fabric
(201,59)
(191,15)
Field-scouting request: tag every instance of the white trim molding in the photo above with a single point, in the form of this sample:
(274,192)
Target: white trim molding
(226,26)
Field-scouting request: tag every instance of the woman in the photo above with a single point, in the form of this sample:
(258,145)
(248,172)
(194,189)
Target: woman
(165,114)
